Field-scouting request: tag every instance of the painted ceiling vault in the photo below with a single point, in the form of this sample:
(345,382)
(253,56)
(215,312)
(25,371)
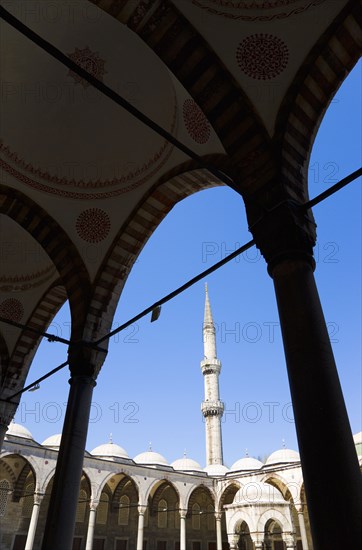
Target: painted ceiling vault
(244,84)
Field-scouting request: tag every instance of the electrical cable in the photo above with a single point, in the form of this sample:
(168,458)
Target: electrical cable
(111,94)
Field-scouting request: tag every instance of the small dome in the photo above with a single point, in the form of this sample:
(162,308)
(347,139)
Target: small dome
(53,442)
(17,430)
(283,455)
(186,465)
(246,463)
(256,492)
(216,470)
(150,458)
(109,450)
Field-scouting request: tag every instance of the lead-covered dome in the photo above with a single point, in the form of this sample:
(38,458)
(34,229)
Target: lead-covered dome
(283,456)
(17,430)
(150,458)
(53,442)
(110,451)
(246,463)
(185,464)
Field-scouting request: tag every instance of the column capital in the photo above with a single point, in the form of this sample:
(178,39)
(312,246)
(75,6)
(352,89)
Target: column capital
(93,504)
(289,541)
(218,516)
(286,232)
(183,513)
(142,508)
(38,497)
(84,360)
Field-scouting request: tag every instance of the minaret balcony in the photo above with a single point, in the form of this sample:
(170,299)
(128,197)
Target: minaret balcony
(212,408)
(209,366)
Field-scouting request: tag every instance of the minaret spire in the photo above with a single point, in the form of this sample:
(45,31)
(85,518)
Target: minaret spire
(212,408)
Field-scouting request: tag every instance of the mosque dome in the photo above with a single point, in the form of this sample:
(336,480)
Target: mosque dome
(109,450)
(257,492)
(150,458)
(186,465)
(53,442)
(17,430)
(216,470)
(283,455)
(246,463)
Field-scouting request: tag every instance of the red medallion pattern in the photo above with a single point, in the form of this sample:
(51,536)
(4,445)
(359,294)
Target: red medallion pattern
(195,121)
(12,309)
(90,62)
(256,10)
(262,56)
(93,225)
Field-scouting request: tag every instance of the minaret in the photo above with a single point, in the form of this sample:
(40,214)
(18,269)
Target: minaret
(212,408)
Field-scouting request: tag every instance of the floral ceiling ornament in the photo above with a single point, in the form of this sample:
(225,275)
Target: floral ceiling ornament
(90,62)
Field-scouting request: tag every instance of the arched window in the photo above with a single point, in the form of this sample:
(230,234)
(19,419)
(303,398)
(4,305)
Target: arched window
(162,514)
(82,506)
(211,518)
(102,510)
(123,511)
(196,516)
(28,500)
(4,495)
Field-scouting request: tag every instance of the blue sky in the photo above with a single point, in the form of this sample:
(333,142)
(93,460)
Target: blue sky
(151,387)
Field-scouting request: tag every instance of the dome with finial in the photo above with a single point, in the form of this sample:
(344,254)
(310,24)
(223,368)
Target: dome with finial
(186,464)
(109,451)
(52,442)
(283,455)
(17,430)
(246,463)
(150,458)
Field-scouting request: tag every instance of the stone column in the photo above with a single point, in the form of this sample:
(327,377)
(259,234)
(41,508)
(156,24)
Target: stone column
(33,521)
(218,517)
(183,529)
(286,237)
(60,523)
(91,525)
(303,532)
(141,523)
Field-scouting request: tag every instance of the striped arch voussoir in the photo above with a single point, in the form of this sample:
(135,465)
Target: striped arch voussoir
(201,72)
(307,100)
(133,236)
(27,344)
(52,238)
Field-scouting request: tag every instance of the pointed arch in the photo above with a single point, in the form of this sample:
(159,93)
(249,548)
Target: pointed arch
(277,516)
(133,235)
(308,98)
(59,247)
(17,370)
(206,79)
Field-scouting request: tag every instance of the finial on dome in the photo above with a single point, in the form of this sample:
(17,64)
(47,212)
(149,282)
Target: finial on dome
(110,438)
(283,442)
(185,454)
(150,446)
(247,453)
